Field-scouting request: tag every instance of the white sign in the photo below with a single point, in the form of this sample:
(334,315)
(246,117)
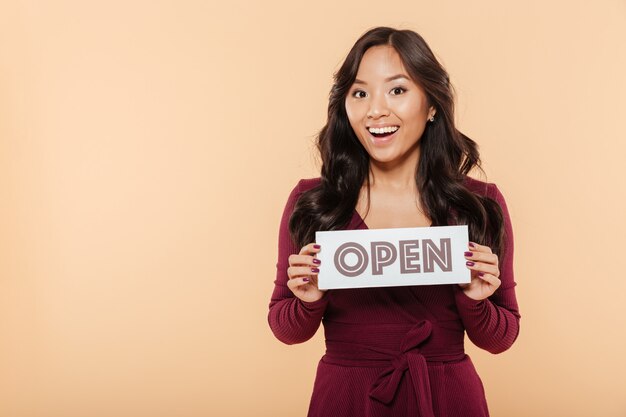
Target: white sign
(392,257)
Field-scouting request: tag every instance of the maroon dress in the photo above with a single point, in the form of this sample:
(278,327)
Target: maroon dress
(397,351)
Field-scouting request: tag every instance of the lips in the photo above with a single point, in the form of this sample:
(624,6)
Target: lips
(382,138)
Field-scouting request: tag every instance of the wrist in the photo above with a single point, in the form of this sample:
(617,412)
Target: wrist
(316,303)
(463,299)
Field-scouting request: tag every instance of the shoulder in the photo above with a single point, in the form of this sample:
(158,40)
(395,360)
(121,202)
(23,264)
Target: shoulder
(483,188)
(304,184)
(490,190)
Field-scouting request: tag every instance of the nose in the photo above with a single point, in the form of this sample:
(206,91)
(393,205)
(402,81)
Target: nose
(378,107)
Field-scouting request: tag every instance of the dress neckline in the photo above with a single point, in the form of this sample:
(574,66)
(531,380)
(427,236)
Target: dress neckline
(361,222)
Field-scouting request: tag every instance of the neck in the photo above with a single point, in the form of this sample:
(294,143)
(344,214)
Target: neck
(395,175)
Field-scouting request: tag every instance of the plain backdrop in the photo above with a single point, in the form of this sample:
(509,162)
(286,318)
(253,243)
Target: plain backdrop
(147,149)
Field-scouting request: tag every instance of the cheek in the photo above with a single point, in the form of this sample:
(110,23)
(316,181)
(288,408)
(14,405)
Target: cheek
(350,111)
(411,110)
(413,118)
(354,115)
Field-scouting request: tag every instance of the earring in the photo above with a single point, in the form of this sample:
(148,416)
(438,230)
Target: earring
(432,118)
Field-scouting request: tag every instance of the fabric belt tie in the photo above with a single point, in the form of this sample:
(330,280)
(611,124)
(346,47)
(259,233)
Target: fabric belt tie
(412,357)
(385,387)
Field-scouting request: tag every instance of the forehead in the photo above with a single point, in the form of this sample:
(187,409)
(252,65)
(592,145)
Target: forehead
(380,61)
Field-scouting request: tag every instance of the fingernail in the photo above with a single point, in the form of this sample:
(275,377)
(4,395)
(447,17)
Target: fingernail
(315,270)
(469,263)
(317,261)
(305,279)
(316,246)
(480,274)
(468,253)
(472,245)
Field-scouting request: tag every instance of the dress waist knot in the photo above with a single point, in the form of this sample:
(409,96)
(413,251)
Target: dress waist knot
(416,348)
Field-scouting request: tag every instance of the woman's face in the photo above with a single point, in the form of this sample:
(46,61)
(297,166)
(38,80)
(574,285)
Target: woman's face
(387,110)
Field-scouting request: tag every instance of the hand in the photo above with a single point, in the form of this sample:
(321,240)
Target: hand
(302,274)
(485,272)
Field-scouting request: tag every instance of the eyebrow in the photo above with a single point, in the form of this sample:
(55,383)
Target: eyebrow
(392,78)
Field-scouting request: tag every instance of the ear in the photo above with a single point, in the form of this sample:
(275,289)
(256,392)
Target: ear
(432,111)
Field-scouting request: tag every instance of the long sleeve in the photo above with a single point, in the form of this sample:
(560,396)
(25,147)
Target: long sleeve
(493,324)
(291,319)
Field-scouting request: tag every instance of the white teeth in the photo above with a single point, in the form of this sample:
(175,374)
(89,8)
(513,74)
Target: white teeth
(381,130)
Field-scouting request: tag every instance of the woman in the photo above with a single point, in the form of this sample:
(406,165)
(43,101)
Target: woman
(392,156)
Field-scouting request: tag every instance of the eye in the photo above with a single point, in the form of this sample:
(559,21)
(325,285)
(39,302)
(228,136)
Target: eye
(356,93)
(397,90)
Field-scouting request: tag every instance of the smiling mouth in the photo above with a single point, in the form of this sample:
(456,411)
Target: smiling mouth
(380,133)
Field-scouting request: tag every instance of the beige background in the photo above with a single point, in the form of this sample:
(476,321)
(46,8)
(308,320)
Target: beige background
(147,149)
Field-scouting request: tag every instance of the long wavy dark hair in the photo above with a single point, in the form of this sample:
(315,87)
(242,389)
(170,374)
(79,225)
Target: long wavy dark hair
(446,155)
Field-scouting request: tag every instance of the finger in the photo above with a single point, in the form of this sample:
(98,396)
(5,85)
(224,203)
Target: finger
(486,257)
(483,267)
(493,280)
(297,282)
(310,249)
(300,271)
(300,260)
(480,248)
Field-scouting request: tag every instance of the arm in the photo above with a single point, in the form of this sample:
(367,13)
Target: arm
(291,319)
(493,323)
